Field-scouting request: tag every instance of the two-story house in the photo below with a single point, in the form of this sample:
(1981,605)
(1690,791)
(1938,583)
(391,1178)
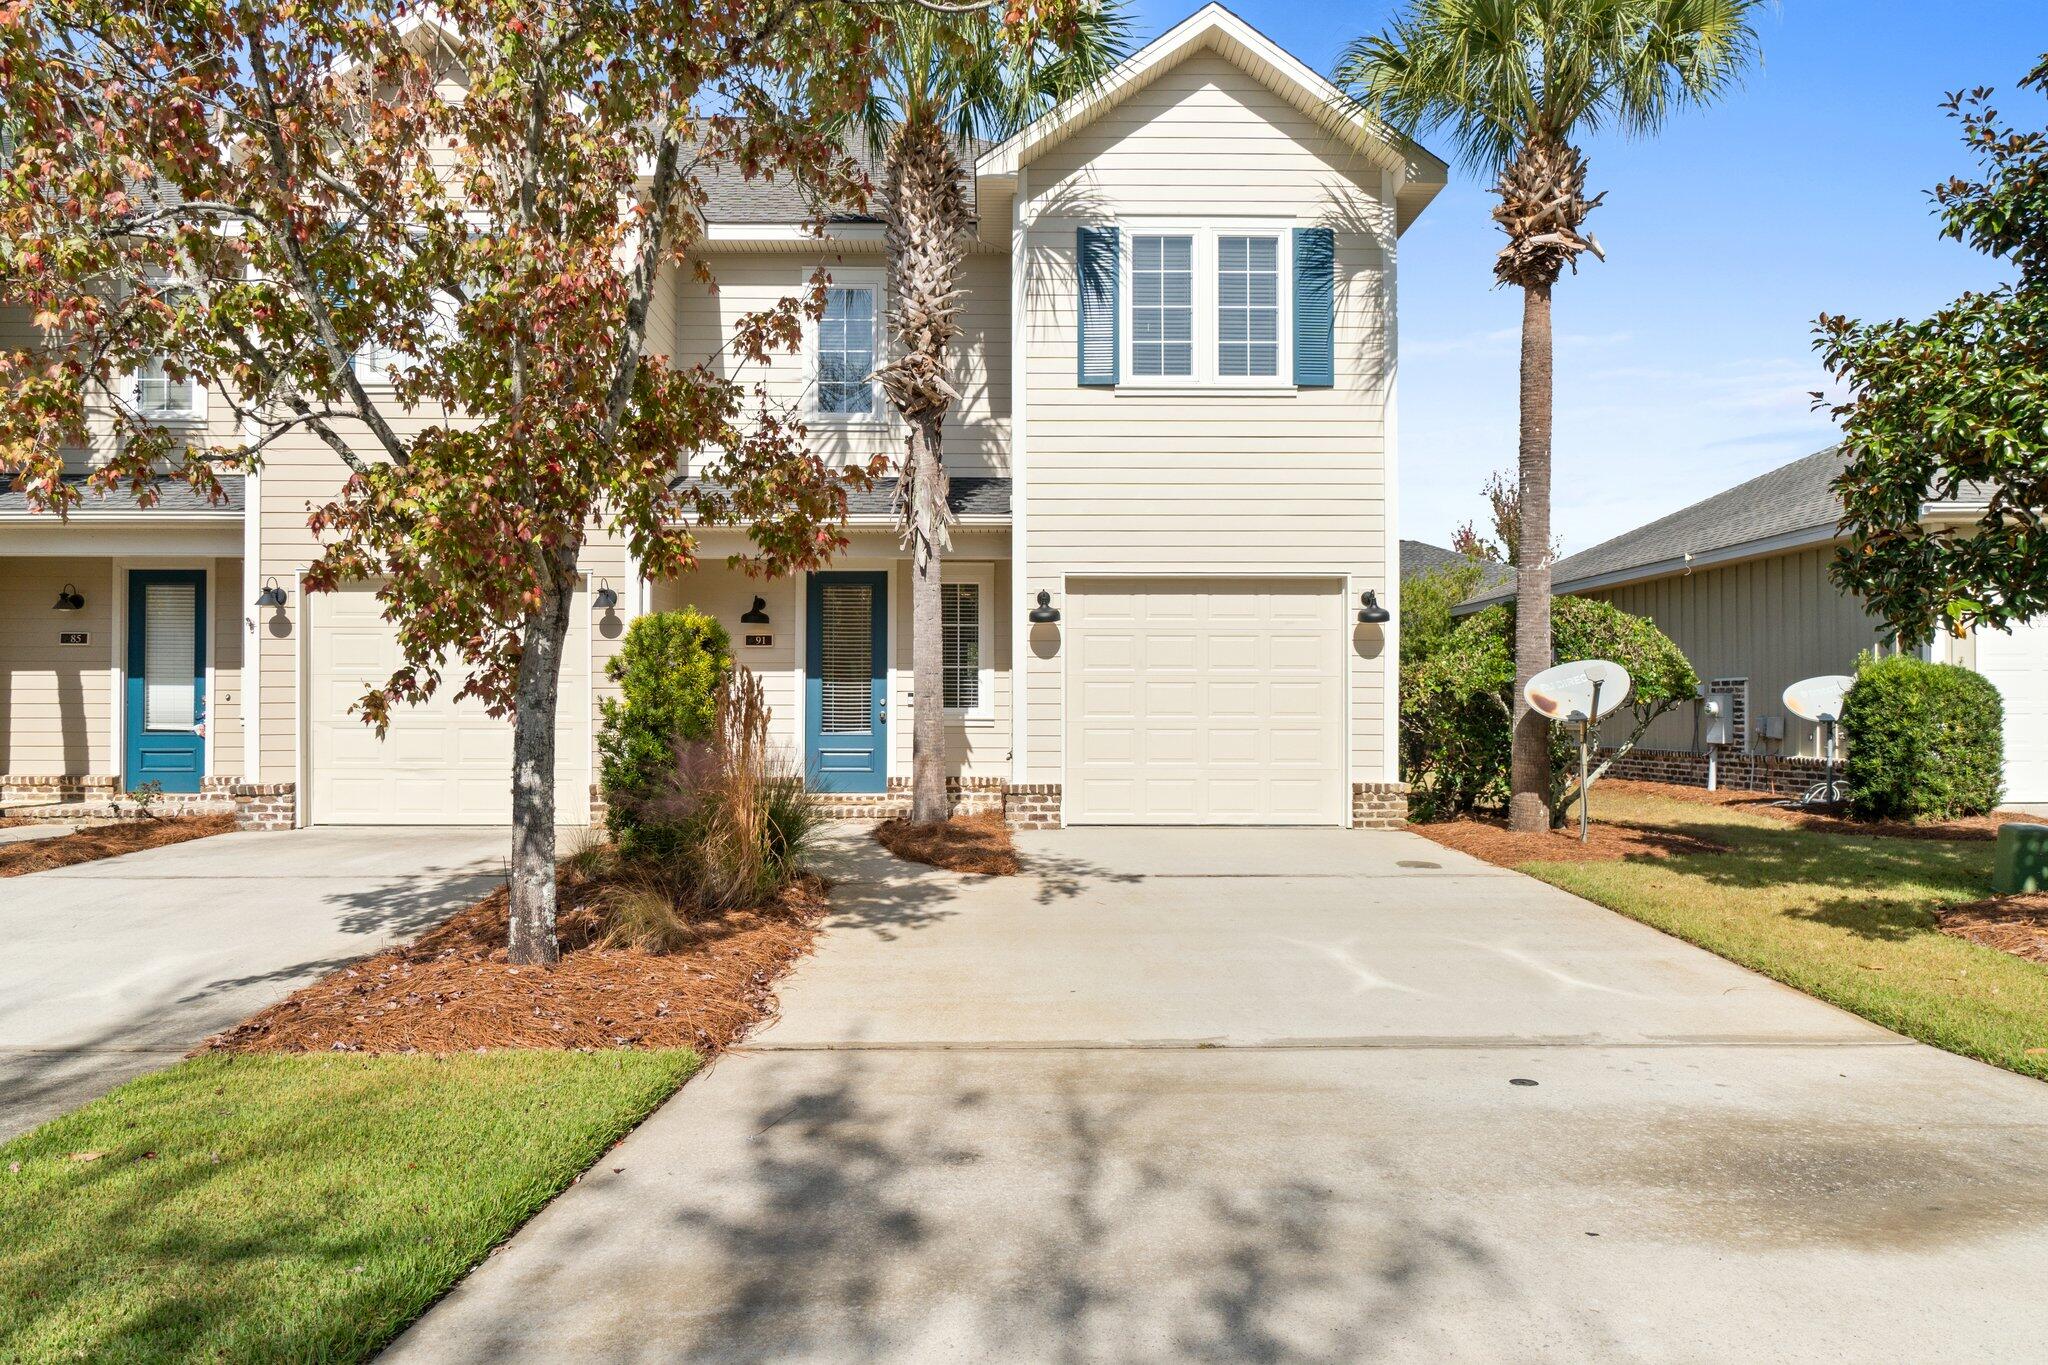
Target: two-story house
(1173,466)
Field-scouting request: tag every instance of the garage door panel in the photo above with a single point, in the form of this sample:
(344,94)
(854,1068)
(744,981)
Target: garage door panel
(446,761)
(2017,664)
(1206,702)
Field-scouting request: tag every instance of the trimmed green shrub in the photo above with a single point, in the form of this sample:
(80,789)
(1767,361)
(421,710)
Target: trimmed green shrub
(1925,741)
(669,669)
(1457,703)
(1426,602)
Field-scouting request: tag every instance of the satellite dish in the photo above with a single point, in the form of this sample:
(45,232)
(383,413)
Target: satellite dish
(1818,699)
(1566,693)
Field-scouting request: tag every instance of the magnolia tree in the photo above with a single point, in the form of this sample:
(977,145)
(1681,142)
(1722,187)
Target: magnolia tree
(253,194)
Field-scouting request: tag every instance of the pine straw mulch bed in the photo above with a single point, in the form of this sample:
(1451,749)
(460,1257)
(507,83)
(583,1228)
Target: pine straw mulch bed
(2011,924)
(451,989)
(1825,819)
(968,843)
(107,841)
(1492,841)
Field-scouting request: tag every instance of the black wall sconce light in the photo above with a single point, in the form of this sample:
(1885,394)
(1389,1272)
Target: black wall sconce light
(71,599)
(756,615)
(606,597)
(271,596)
(1370,612)
(1045,613)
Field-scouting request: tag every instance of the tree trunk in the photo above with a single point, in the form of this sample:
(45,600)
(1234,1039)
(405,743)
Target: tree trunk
(927,650)
(1529,773)
(537,695)
(927,223)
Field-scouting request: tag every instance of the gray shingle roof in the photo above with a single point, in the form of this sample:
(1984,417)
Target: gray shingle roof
(1791,498)
(731,198)
(1419,556)
(173,495)
(969,496)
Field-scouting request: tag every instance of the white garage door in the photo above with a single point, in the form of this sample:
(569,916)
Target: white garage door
(445,762)
(1205,702)
(2018,665)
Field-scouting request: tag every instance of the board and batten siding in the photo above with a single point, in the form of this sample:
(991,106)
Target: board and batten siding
(1772,621)
(1125,481)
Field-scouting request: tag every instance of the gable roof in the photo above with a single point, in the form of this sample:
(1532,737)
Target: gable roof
(1214,28)
(1792,506)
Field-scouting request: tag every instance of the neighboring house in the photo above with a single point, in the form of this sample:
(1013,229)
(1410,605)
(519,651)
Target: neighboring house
(1740,582)
(1419,556)
(1175,432)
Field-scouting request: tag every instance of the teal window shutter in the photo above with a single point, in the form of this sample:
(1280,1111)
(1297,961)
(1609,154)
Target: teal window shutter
(1097,332)
(1315,308)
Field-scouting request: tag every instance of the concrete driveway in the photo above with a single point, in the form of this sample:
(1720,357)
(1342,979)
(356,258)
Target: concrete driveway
(118,967)
(1279,1096)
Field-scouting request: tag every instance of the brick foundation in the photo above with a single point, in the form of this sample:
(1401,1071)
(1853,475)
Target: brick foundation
(965,796)
(265,806)
(1774,773)
(33,787)
(1032,805)
(1379,805)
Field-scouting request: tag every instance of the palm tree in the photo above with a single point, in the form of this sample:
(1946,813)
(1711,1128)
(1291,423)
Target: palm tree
(1515,85)
(949,79)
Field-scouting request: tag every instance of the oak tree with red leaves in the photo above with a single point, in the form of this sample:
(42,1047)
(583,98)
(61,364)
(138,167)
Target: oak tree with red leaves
(252,194)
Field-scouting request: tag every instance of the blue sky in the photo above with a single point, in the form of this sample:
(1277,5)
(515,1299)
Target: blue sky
(1684,362)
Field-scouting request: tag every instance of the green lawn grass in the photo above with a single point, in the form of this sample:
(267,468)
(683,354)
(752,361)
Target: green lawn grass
(1847,918)
(292,1208)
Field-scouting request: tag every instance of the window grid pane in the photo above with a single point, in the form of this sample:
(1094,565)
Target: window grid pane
(1248,307)
(960,628)
(1162,306)
(846,351)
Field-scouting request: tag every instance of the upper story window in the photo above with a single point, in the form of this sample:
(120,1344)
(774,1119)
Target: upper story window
(159,394)
(1206,305)
(1163,305)
(845,346)
(1247,307)
(160,397)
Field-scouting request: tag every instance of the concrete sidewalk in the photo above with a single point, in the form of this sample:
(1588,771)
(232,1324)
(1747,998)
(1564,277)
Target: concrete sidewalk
(1264,1095)
(118,967)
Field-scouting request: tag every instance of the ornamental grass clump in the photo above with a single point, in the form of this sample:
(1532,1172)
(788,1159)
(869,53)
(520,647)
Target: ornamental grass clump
(1925,741)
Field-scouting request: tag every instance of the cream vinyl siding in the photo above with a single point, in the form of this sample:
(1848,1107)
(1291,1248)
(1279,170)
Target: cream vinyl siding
(1131,480)
(724,594)
(57,708)
(1772,621)
(224,705)
(977,429)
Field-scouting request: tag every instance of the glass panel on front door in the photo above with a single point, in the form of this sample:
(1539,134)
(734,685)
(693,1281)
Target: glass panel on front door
(169,657)
(849,664)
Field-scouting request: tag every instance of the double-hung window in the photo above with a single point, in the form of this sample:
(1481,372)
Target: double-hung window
(159,394)
(844,350)
(964,605)
(1207,306)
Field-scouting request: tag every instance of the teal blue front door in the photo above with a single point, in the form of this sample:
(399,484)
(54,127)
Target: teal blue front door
(846,685)
(165,713)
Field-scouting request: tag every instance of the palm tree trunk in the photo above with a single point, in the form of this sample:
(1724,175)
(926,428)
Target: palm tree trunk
(537,696)
(1529,770)
(927,221)
(927,648)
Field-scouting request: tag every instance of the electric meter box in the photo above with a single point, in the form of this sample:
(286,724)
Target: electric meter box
(1716,720)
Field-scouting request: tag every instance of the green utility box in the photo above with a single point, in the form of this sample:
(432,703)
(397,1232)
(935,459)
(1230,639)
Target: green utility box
(2021,863)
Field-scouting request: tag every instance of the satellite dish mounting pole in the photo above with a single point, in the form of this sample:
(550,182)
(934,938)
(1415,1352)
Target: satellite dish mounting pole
(1832,794)
(1585,782)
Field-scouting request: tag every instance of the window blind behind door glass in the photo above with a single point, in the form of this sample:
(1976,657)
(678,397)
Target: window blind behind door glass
(169,656)
(847,672)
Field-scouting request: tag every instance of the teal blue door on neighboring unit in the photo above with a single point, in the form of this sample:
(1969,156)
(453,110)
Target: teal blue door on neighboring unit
(164,719)
(846,685)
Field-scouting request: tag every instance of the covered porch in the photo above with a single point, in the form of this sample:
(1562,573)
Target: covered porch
(121,646)
(833,650)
